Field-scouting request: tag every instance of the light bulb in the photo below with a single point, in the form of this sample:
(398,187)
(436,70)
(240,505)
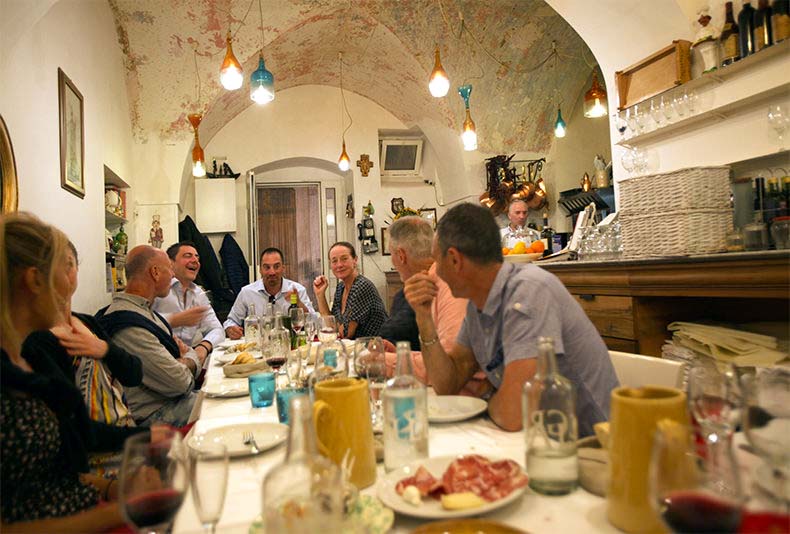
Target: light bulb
(198,169)
(559,126)
(261,84)
(260,95)
(469,135)
(597,109)
(230,75)
(439,83)
(344,162)
(595,100)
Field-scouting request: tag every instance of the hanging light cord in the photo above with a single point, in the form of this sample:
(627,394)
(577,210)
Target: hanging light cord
(197,73)
(260,10)
(343,97)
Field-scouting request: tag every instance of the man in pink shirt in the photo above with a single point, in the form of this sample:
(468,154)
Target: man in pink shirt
(411,239)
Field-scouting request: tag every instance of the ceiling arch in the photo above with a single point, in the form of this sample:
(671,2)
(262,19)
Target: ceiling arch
(387,50)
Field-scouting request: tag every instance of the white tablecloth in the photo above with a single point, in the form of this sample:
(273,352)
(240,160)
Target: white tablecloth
(578,512)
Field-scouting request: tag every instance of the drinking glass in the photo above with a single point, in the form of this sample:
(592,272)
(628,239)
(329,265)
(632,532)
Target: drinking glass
(293,367)
(262,386)
(311,327)
(627,160)
(297,319)
(328,330)
(620,123)
(209,473)
(152,482)
(666,109)
(371,364)
(283,396)
(778,120)
(693,492)
(630,118)
(280,347)
(767,424)
(712,402)
(656,113)
(680,105)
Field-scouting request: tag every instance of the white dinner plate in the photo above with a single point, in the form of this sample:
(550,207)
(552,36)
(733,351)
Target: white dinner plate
(432,508)
(229,343)
(227,387)
(227,357)
(267,436)
(451,408)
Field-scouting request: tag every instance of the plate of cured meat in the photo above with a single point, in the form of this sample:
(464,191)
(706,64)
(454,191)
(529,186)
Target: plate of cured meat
(446,487)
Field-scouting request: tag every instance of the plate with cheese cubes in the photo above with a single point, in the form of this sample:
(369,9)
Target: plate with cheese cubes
(448,487)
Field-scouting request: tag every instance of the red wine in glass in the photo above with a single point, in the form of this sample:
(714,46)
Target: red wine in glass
(275,362)
(154,509)
(693,512)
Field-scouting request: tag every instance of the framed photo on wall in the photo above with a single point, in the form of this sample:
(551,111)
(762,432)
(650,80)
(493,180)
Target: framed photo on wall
(72,136)
(385,241)
(429,214)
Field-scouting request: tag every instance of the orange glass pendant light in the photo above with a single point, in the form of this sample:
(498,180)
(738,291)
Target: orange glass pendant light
(198,159)
(230,73)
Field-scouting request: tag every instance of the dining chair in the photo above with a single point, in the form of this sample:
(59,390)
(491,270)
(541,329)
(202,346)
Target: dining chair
(636,370)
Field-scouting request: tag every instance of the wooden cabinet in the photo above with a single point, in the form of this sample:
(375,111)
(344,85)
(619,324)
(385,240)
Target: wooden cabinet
(632,302)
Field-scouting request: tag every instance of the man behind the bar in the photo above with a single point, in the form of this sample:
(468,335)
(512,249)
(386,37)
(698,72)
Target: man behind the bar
(273,288)
(510,307)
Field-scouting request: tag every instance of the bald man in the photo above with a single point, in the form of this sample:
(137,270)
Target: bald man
(169,367)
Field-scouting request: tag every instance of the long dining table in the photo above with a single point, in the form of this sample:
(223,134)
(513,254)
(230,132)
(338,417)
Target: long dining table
(579,511)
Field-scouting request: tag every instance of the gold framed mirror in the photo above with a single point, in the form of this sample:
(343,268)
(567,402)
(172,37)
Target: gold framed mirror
(9,199)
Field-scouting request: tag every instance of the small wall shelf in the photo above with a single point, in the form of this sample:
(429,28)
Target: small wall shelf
(112,219)
(708,116)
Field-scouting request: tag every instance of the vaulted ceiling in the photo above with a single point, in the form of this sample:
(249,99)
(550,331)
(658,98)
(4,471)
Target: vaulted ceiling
(387,48)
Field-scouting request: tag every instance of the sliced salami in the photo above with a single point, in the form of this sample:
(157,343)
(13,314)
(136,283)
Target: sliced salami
(423,480)
(489,480)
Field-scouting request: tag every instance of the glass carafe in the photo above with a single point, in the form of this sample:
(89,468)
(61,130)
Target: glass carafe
(302,494)
(252,327)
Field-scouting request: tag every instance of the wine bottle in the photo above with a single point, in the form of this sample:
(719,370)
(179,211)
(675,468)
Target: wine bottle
(547,235)
(763,30)
(294,301)
(729,38)
(773,200)
(780,19)
(746,24)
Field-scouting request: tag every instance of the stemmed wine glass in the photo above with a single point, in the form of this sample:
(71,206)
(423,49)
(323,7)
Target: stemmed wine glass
(693,491)
(311,327)
(297,319)
(153,480)
(778,120)
(209,474)
(766,422)
(370,363)
(620,123)
(712,401)
(328,331)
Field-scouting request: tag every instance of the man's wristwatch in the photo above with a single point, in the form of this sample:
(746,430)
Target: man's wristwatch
(427,342)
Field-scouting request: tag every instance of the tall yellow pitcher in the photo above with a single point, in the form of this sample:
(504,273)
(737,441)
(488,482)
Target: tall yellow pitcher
(342,423)
(634,414)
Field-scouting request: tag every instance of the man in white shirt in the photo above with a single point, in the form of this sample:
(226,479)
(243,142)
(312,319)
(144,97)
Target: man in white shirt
(273,289)
(186,306)
(517,213)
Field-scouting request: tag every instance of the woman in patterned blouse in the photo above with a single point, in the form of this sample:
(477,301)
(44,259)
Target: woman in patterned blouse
(357,305)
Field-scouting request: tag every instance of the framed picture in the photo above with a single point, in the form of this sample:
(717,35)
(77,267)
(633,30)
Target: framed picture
(429,214)
(8,192)
(385,241)
(72,136)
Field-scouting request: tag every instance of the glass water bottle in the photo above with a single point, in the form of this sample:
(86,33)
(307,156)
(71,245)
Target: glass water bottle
(252,327)
(405,406)
(550,426)
(302,494)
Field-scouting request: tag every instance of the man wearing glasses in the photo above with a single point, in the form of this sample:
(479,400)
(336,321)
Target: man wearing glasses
(272,288)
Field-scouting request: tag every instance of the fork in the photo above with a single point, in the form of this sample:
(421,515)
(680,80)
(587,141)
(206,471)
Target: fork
(249,439)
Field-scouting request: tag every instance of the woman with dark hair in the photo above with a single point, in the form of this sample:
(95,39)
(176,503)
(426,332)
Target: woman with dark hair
(357,305)
(44,428)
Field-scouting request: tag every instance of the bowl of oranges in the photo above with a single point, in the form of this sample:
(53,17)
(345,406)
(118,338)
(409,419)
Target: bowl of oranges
(523,253)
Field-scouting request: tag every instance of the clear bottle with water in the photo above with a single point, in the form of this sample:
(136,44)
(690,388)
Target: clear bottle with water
(550,426)
(252,327)
(405,403)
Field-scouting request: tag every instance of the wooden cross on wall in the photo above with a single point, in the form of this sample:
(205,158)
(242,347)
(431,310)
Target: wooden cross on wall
(364,164)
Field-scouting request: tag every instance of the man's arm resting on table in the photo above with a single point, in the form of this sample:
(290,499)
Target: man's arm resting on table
(505,406)
(447,371)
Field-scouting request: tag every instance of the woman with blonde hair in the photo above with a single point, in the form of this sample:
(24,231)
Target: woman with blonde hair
(44,428)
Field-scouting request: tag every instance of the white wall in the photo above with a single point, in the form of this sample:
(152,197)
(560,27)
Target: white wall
(79,37)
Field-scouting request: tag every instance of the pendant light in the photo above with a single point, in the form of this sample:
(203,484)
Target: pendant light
(198,159)
(230,73)
(595,100)
(261,81)
(438,83)
(559,125)
(469,134)
(343,162)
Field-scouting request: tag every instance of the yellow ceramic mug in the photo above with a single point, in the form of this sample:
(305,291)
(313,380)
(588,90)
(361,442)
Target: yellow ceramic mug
(342,422)
(634,414)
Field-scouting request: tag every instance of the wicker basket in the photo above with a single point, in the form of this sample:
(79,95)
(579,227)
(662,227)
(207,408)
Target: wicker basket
(683,189)
(674,233)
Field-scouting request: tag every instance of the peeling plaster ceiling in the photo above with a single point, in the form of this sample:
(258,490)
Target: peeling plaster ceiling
(387,48)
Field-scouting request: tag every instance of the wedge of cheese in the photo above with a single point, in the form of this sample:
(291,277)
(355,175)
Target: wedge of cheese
(461,501)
